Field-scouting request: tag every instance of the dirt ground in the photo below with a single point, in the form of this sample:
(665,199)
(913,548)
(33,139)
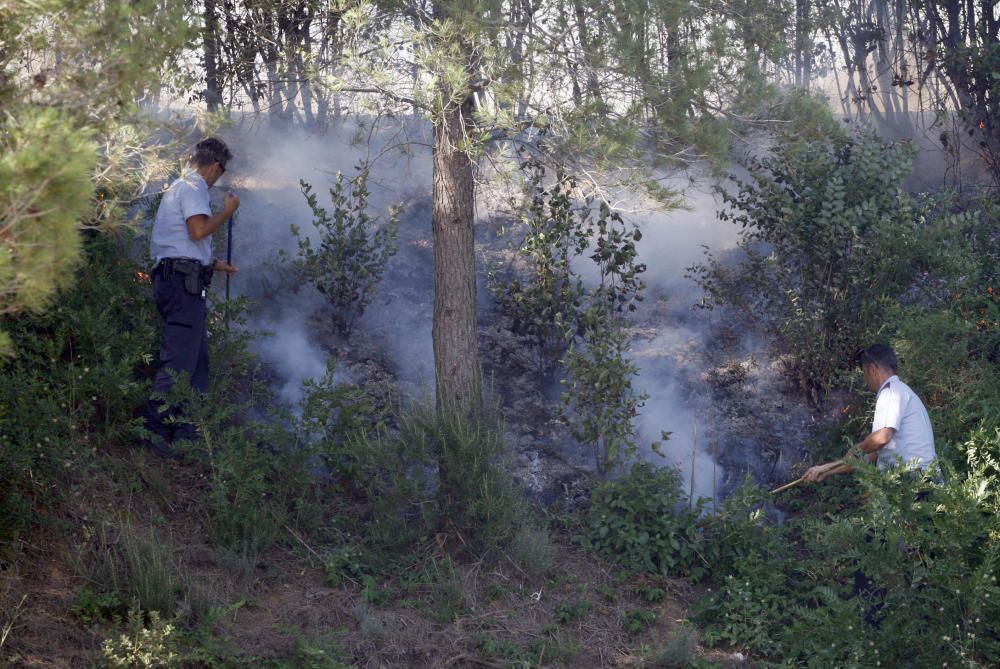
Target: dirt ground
(283,611)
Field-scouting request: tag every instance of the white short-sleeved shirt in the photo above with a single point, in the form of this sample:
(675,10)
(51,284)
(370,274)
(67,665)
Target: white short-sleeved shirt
(898,407)
(186,197)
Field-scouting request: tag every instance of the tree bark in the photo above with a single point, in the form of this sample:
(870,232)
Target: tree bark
(210,39)
(456,349)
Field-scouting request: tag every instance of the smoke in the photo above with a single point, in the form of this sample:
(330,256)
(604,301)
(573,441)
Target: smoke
(292,316)
(669,346)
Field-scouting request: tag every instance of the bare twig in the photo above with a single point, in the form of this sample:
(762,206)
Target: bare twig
(8,626)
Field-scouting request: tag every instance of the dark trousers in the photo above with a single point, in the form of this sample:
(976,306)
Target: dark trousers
(184,349)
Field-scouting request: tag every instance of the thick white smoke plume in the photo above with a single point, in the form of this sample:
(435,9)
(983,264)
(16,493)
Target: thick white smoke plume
(671,335)
(268,164)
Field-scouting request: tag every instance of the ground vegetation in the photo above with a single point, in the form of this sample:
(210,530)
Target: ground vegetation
(403,523)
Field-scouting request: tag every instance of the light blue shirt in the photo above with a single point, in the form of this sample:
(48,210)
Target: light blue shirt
(186,197)
(898,407)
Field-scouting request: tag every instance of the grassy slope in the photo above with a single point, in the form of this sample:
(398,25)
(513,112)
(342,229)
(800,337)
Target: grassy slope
(282,611)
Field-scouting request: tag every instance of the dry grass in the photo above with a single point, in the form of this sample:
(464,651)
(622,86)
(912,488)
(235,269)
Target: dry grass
(566,610)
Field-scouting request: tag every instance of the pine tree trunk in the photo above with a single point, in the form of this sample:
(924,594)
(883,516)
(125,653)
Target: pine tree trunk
(456,353)
(210,39)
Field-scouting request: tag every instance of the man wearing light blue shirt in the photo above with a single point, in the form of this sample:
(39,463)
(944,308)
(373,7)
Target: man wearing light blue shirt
(181,248)
(901,434)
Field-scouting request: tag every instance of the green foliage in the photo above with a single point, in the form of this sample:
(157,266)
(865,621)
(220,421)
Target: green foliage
(678,650)
(568,612)
(42,241)
(830,240)
(123,563)
(929,551)
(579,326)
(642,523)
(81,67)
(638,621)
(532,550)
(545,306)
(313,654)
(333,415)
(92,607)
(475,498)
(353,248)
(143,647)
(598,399)
(72,391)
(430,477)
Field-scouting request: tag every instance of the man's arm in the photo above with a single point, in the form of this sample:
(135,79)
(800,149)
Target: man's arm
(877,439)
(201,226)
(869,445)
(819,473)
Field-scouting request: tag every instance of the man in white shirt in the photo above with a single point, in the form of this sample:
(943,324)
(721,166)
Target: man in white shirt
(901,433)
(181,248)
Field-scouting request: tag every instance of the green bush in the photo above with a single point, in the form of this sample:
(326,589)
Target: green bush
(435,476)
(642,522)
(931,562)
(580,327)
(73,388)
(831,240)
(353,247)
(124,564)
(152,646)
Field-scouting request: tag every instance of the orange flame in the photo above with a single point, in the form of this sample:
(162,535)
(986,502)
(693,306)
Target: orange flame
(142,277)
(982,125)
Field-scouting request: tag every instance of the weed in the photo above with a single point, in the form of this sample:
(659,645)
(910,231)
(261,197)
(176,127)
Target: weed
(609,593)
(10,621)
(504,649)
(678,650)
(143,647)
(573,611)
(319,653)
(370,623)
(494,592)
(124,563)
(344,563)
(558,647)
(638,621)
(91,607)
(532,550)
(641,523)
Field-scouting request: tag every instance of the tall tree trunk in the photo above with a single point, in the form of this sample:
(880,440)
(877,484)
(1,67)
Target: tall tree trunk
(456,349)
(210,41)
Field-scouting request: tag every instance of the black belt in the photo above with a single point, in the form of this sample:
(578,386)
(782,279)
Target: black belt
(197,277)
(167,266)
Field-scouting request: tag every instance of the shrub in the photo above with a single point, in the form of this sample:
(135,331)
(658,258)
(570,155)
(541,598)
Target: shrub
(642,523)
(73,387)
(580,326)
(830,240)
(532,550)
(353,247)
(437,476)
(143,647)
(856,589)
(126,565)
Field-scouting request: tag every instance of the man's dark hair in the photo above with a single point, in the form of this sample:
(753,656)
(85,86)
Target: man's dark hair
(211,150)
(879,354)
